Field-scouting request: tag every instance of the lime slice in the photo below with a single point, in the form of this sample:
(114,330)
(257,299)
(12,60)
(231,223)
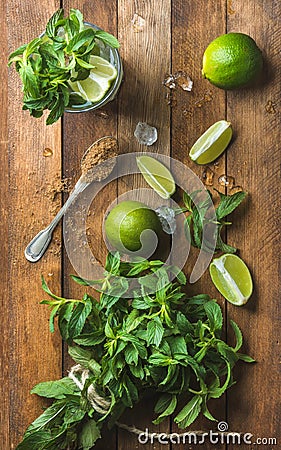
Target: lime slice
(94,88)
(212,143)
(103,68)
(232,278)
(157,176)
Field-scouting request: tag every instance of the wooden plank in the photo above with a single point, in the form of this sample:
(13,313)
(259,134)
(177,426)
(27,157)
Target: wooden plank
(80,131)
(254,160)
(4,276)
(146,56)
(34,355)
(194,26)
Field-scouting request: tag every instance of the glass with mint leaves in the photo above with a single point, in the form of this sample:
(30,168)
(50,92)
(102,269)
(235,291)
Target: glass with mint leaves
(73,66)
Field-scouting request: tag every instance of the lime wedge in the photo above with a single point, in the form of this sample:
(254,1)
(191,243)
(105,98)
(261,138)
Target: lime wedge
(103,68)
(212,143)
(232,278)
(157,176)
(94,88)
(91,90)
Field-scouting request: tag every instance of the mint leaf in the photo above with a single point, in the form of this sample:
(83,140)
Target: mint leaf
(225,248)
(217,392)
(214,315)
(84,64)
(30,81)
(52,24)
(55,389)
(15,56)
(178,346)
(89,434)
(31,48)
(80,355)
(107,38)
(246,358)
(80,39)
(73,412)
(168,411)
(155,331)
(112,263)
(227,352)
(57,109)
(131,355)
(77,18)
(37,440)
(54,412)
(238,335)
(206,411)
(188,202)
(91,339)
(189,413)
(45,288)
(228,203)
(78,318)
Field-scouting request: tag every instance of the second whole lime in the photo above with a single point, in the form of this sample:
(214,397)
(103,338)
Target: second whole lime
(127,221)
(232,61)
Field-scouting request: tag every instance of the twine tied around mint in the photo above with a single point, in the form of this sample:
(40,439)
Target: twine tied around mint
(102,405)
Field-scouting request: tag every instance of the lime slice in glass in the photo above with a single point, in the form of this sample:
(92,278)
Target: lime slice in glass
(232,278)
(103,68)
(94,88)
(212,143)
(157,176)
(90,89)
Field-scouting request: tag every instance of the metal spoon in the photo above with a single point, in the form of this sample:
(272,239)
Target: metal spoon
(97,172)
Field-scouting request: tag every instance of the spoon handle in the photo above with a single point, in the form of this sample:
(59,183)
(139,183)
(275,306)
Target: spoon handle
(39,244)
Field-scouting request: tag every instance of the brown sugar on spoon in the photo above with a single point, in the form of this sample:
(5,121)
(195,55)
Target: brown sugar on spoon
(100,159)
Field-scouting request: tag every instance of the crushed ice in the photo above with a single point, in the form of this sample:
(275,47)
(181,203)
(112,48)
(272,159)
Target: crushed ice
(167,218)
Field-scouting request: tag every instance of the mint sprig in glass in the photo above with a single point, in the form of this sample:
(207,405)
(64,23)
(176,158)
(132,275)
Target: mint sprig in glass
(73,66)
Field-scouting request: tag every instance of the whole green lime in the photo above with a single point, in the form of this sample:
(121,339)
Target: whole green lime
(127,221)
(232,61)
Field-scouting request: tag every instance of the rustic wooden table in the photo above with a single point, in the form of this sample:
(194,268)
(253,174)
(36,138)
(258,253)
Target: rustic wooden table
(174,37)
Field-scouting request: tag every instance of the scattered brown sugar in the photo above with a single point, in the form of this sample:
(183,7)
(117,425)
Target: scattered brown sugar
(100,159)
(56,187)
(270,107)
(230,9)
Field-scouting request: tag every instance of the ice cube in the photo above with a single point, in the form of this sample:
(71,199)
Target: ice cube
(167,218)
(145,134)
(170,82)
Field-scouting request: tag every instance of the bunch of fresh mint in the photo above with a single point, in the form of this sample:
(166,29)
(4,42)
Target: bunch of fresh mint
(132,342)
(47,63)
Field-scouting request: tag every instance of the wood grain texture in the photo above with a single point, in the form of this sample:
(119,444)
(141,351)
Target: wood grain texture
(174,38)
(4,276)
(34,354)
(80,131)
(194,26)
(254,403)
(146,56)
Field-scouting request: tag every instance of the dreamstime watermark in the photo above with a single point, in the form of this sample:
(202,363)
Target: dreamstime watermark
(75,222)
(221,436)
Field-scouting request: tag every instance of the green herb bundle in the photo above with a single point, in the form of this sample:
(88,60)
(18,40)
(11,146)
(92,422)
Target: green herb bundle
(197,218)
(47,63)
(130,343)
